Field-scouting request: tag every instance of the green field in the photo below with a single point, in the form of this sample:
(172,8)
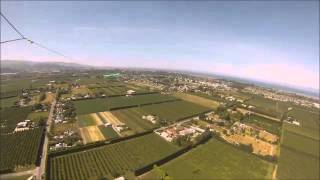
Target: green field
(104,104)
(11,116)
(268,106)
(86,120)
(306,118)
(175,111)
(36,116)
(20,149)
(312,133)
(300,143)
(108,132)
(299,153)
(215,160)
(296,165)
(114,159)
(132,117)
(8,102)
(269,125)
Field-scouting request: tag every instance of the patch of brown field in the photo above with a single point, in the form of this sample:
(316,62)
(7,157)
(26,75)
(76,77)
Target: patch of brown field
(96,118)
(49,98)
(268,136)
(198,100)
(259,147)
(84,135)
(107,115)
(91,134)
(81,90)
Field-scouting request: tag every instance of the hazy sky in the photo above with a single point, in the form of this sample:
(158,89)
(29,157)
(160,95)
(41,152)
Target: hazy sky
(275,41)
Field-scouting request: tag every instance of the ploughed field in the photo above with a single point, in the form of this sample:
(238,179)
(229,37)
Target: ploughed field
(215,159)
(110,160)
(104,104)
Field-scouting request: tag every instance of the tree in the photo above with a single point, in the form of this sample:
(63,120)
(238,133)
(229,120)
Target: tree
(159,172)
(42,97)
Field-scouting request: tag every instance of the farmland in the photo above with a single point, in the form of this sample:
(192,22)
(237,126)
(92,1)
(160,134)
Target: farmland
(268,107)
(198,100)
(108,132)
(104,104)
(132,117)
(175,111)
(112,160)
(20,149)
(214,159)
(299,153)
(86,120)
(8,102)
(36,116)
(269,125)
(11,116)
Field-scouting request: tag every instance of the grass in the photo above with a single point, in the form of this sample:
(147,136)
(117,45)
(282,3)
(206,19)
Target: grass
(10,117)
(216,160)
(268,106)
(198,100)
(114,159)
(108,132)
(306,118)
(175,111)
(132,117)
(297,165)
(8,102)
(269,125)
(104,104)
(299,153)
(23,177)
(36,116)
(300,143)
(86,120)
(308,132)
(214,98)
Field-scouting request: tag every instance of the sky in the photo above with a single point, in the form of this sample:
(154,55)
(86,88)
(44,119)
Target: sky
(275,41)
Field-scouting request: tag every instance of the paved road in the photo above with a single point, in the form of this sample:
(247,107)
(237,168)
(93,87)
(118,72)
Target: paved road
(40,170)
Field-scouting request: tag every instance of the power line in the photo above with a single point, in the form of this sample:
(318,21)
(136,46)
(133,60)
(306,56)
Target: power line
(48,49)
(13,40)
(31,41)
(12,26)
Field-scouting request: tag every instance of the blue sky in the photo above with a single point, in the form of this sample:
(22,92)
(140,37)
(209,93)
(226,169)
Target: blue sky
(275,41)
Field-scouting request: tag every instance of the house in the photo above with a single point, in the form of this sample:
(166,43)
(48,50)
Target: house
(296,123)
(120,178)
(150,118)
(130,92)
(22,124)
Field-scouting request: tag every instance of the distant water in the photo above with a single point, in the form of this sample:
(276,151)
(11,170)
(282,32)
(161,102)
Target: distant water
(313,93)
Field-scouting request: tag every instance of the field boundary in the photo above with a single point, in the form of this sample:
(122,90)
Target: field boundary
(170,157)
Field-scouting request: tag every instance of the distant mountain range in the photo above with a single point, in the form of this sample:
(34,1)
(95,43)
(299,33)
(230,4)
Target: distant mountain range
(14,66)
